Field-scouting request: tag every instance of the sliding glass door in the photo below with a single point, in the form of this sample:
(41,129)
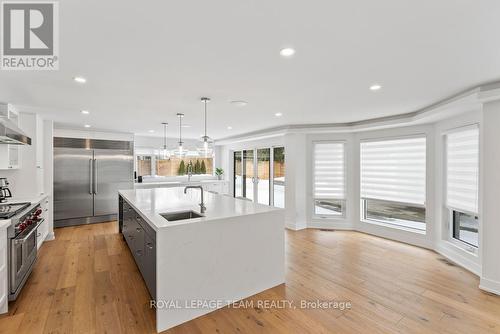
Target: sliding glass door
(248,174)
(263,181)
(278,175)
(259,175)
(238,174)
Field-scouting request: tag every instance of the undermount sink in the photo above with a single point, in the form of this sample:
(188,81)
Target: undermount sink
(181,215)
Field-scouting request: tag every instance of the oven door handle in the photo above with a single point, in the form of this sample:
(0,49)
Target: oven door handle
(23,240)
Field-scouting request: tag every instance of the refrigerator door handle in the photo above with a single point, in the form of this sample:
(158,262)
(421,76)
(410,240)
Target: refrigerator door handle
(95,176)
(91,190)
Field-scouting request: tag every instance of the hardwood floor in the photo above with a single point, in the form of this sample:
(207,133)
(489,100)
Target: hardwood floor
(86,281)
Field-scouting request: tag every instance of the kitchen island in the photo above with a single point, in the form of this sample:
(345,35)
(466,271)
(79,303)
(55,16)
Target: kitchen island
(193,266)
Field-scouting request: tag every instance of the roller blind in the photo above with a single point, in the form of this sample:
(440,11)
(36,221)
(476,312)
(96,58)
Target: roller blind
(329,173)
(462,164)
(394,170)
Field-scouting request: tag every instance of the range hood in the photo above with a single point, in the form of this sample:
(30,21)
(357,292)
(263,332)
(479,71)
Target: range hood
(11,134)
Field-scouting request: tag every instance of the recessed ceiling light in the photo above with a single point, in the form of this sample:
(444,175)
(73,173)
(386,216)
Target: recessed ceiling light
(239,103)
(375,87)
(278,114)
(229,127)
(151,131)
(287,52)
(80,79)
(85,112)
(87,125)
(186,126)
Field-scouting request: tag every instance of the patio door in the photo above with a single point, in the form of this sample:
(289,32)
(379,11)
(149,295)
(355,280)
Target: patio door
(259,175)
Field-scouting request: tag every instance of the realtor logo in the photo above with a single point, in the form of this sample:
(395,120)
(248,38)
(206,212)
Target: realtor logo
(30,33)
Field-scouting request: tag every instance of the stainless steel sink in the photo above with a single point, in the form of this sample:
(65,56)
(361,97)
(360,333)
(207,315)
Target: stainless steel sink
(180,215)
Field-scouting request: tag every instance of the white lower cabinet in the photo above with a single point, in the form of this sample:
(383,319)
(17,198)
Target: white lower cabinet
(43,228)
(3,269)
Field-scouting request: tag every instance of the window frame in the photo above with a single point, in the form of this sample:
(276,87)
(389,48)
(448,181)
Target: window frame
(365,219)
(362,200)
(450,223)
(344,201)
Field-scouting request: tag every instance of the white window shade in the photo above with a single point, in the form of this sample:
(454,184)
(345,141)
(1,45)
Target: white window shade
(329,173)
(462,164)
(394,170)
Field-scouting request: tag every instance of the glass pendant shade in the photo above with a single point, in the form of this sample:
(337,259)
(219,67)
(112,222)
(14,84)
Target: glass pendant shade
(163,152)
(206,147)
(181,151)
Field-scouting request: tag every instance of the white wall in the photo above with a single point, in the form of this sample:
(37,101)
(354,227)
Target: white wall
(91,134)
(490,249)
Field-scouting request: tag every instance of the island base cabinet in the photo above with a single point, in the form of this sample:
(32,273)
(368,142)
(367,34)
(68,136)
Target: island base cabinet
(141,240)
(149,264)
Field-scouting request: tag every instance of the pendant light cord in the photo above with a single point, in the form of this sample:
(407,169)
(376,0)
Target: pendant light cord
(164,136)
(205,120)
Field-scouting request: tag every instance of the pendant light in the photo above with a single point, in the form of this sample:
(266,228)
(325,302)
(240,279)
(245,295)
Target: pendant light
(180,152)
(206,149)
(164,153)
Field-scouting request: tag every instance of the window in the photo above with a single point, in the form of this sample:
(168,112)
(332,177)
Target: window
(180,166)
(329,179)
(462,183)
(149,164)
(143,165)
(393,176)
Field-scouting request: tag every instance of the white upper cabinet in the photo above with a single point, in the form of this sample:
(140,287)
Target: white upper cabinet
(9,154)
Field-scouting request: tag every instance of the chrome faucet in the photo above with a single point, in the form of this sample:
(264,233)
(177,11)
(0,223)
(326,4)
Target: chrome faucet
(202,204)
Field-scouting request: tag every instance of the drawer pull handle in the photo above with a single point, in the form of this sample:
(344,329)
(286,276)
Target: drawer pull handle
(150,245)
(138,229)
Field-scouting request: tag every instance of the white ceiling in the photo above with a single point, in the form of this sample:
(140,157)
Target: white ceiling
(147,60)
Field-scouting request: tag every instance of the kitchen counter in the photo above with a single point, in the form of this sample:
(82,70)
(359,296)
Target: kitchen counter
(192,267)
(213,185)
(32,200)
(151,202)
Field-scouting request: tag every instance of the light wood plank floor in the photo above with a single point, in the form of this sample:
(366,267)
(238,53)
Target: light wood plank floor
(86,282)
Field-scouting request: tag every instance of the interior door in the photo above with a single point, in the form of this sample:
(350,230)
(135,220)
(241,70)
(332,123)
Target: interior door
(113,171)
(263,179)
(72,183)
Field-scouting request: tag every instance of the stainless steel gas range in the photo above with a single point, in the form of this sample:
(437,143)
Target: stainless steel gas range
(22,242)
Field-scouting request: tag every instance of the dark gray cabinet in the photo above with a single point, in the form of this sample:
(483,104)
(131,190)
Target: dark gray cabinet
(141,240)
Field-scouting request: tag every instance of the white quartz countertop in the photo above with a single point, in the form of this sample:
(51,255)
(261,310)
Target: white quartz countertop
(177,182)
(151,202)
(32,200)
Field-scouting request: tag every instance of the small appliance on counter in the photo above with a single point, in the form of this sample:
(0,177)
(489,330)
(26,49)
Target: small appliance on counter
(4,190)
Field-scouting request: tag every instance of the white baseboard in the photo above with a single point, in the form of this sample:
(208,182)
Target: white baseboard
(456,255)
(330,225)
(50,236)
(489,285)
(295,227)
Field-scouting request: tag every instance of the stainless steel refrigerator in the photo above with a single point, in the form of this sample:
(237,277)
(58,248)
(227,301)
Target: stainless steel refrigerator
(87,176)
